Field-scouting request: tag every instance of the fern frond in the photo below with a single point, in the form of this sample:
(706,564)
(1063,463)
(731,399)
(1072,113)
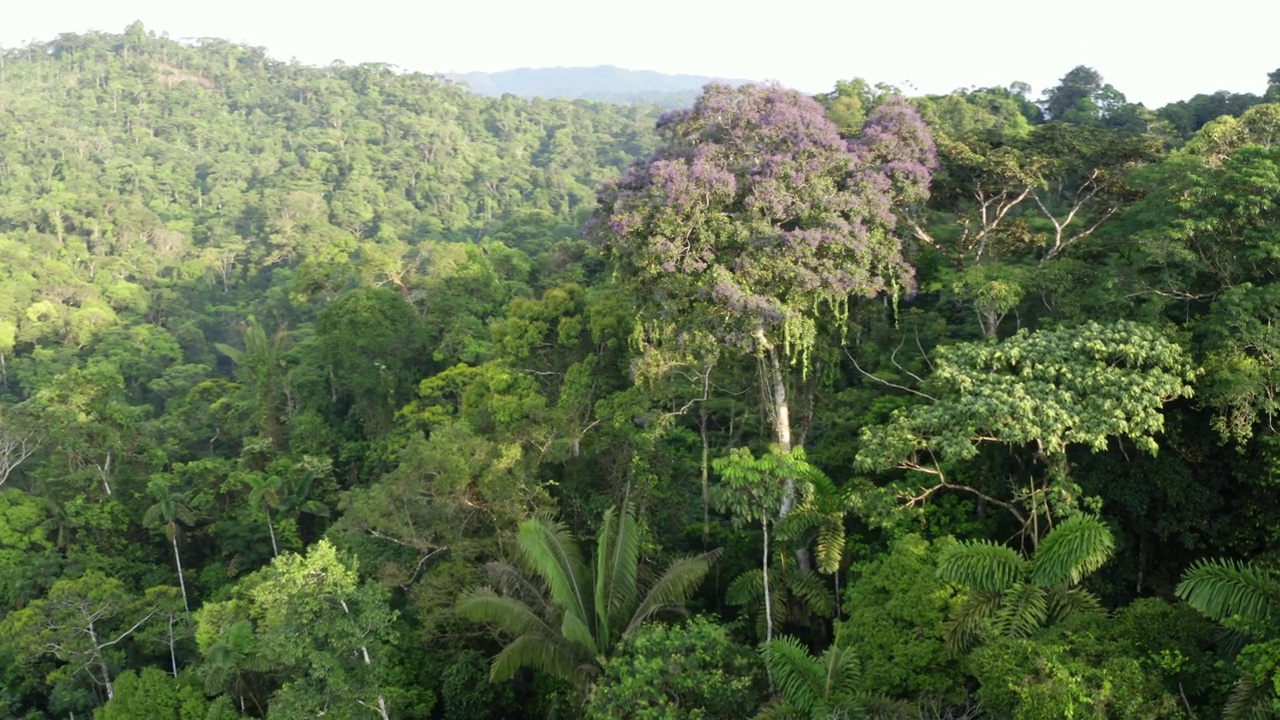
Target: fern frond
(981,565)
(1077,547)
(673,589)
(1224,588)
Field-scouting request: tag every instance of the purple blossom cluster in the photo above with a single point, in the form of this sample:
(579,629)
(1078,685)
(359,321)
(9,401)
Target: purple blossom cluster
(761,207)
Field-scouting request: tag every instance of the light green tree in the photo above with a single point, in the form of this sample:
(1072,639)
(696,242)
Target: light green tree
(1045,391)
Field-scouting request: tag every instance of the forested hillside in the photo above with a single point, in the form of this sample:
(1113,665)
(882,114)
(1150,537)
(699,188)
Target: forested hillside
(347,392)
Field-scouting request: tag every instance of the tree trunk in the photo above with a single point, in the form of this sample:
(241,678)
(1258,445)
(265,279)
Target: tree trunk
(781,416)
(102,662)
(275,551)
(182,583)
(779,411)
(764,567)
(706,484)
(364,651)
(173,656)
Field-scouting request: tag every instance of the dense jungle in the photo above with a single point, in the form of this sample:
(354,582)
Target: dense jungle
(345,391)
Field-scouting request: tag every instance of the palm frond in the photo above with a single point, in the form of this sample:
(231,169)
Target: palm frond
(1225,588)
(617,569)
(801,679)
(1024,608)
(673,589)
(1249,701)
(799,521)
(508,613)
(843,673)
(809,589)
(830,544)
(538,652)
(1065,602)
(965,629)
(551,552)
(747,588)
(779,709)
(1075,548)
(981,565)
(575,630)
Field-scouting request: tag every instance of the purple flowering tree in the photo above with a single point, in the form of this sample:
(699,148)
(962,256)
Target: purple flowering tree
(755,218)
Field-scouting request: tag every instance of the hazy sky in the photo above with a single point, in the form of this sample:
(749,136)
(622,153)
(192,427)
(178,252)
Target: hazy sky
(1154,52)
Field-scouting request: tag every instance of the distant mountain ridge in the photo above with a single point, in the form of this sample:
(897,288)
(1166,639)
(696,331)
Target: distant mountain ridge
(607,83)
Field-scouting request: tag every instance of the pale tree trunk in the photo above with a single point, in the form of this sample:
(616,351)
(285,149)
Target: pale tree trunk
(364,652)
(105,471)
(764,567)
(182,583)
(102,662)
(173,656)
(275,551)
(779,410)
(780,414)
(706,468)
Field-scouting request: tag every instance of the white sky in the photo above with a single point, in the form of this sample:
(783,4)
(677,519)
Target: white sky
(1154,52)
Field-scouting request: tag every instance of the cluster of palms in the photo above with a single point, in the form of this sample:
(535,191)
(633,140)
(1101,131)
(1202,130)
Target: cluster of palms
(568,615)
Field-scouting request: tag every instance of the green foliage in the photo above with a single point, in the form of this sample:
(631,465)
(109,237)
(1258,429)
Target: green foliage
(895,610)
(1010,597)
(573,630)
(155,694)
(664,671)
(312,623)
(809,687)
(1077,670)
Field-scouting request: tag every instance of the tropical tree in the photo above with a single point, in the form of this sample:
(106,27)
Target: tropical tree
(169,510)
(1245,597)
(573,620)
(1012,596)
(230,661)
(812,688)
(755,221)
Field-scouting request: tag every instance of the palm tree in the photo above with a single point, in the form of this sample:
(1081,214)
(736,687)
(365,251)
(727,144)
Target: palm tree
(1014,597)
(570,623)
(229,661)
(169,509)
(1247,596)
(824,687)
(264,491)
(795,594)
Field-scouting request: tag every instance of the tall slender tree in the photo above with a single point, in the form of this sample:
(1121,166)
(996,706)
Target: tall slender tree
(170,511)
